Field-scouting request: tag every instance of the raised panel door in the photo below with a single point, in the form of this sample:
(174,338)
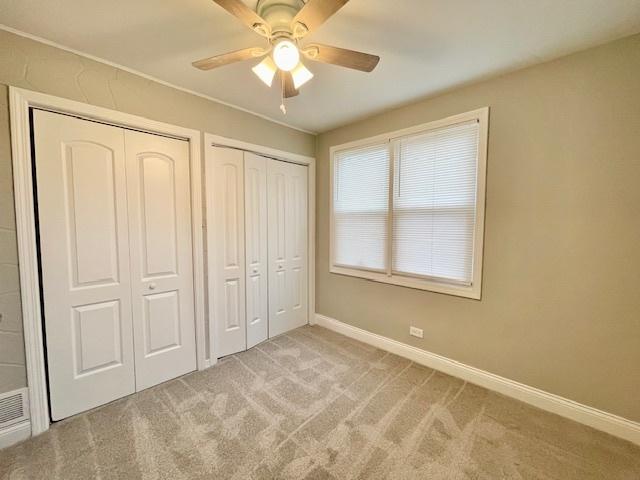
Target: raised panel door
(255,168)
(288,230)
(161,257)
(82,216)
(226,249)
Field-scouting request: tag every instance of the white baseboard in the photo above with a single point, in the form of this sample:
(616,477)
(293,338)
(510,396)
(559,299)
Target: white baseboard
(14,434)
(606,422)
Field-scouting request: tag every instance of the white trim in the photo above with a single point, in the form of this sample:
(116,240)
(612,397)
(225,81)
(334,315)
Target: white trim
(311,251)
(20,101)
(217,140)
(14,434)
(598,419)
(20,33)
(211,139)
(27,260)
(474,290)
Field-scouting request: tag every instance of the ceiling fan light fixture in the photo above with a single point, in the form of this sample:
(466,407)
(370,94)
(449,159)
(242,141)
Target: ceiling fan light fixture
(266,70)
(301,75)
(283,23)
(286,55)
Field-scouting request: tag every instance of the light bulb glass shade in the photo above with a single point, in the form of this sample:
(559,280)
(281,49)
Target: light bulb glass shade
(301,75)
(286,55)
(266,70)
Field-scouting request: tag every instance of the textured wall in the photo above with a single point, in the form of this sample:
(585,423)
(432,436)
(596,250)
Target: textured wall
(12,372)
(560,308)
(28,64)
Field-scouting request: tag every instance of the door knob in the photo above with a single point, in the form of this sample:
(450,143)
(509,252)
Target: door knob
(152,286)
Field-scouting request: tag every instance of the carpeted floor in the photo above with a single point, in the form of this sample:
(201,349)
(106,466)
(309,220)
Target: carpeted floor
(316,405)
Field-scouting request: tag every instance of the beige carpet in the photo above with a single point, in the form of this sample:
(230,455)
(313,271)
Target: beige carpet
(316,405)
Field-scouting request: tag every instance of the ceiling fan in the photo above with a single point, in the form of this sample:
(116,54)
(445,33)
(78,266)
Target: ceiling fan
(284,23)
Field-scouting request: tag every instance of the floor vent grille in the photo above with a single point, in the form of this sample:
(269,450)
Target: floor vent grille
(14,407)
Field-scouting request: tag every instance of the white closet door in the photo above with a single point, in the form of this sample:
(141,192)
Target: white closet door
(80,172)
(161,257)
(288,262)
(226,249)
(255,172)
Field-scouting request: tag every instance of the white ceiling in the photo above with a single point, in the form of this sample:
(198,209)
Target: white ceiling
(425,45)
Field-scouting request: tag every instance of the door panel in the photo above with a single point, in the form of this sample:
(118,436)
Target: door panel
(299,213)
(288,230)
(281,286)
(232,305)
(158,213)
(280,213)
(82,214)
(255,171)
(226,247)
(91,210)
(296,292)
(97,339)
(161,322)
(231,212)
(255,297)
(161,257)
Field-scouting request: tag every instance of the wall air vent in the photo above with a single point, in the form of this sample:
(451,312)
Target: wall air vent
(14,407)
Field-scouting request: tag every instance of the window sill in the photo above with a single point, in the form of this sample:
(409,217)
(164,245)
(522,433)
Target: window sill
(472,291)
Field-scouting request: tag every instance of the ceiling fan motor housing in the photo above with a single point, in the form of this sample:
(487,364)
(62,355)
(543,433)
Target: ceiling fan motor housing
(279,14)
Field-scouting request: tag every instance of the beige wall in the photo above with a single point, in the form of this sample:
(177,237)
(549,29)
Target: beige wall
(12,371)
(561,305)
(32,65)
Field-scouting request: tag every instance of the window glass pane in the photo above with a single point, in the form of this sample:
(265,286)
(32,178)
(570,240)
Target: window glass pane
(360,207)
(434,203)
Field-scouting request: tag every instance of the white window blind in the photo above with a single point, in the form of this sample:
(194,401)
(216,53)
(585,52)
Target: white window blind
(434,203)
(361,207)
(408,206)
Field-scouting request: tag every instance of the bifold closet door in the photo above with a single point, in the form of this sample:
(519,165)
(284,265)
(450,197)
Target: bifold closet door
(82,210)
(226,249)
(161,257)
(255,187)
(115,244)
(288,258)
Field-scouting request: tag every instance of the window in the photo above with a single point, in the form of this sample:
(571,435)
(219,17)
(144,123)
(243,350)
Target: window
(408,207)
(361,207)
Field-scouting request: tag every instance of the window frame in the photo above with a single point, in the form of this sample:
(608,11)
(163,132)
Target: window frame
(472,290)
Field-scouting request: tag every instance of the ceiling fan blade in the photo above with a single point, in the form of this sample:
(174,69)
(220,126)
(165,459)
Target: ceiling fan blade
(314,14)
(289,89)
(341,56)
(247,16)
(231,57)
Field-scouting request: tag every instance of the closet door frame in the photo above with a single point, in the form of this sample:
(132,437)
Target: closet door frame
(211,140)
(20,103)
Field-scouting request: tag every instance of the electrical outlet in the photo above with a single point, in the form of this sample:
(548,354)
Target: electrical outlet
(416,332)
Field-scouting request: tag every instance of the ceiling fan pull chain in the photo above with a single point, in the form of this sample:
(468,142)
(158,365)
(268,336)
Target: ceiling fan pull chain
(282,107)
